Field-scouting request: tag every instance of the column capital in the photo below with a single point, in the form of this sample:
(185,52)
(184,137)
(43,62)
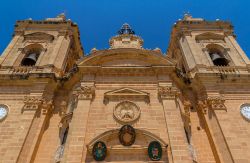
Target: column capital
(85,92)
(167,92)
(216,103)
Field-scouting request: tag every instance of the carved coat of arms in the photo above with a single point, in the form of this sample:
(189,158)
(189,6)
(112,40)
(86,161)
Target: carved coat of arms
(126,112)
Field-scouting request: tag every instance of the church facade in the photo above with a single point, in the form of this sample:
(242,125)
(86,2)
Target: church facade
(125,104)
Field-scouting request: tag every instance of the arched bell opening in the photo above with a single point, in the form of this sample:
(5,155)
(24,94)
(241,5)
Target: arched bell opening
(217,55)
(31,54)
(31,58)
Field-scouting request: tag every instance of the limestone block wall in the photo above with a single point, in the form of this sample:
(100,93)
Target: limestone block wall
(202,151)
(14,129)
(235,128)
(101,120)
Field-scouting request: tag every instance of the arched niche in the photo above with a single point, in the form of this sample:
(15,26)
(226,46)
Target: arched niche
(218,55)
(136,152)
(111,139)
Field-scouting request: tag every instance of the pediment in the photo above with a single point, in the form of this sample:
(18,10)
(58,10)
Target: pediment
(210,35)
(125,93)
(39,36)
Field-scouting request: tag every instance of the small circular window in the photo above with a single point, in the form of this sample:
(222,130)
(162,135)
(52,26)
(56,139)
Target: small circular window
(3,111)
(245,111)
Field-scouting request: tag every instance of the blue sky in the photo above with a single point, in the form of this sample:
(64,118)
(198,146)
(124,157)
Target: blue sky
(99,20)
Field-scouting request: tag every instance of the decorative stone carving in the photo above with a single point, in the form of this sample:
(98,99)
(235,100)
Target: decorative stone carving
(202,106)
(167,92)
(127,135)
(155,151)
(99,151)
(126,112)
(187,107)
(216,103)
(34,103)
(31,102)
(47,106)
(66,118)
(85,93)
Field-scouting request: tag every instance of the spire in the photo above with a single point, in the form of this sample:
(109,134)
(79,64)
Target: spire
(125,29)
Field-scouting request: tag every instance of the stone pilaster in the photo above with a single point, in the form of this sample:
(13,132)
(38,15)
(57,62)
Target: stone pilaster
(43,108)
(76,148)
(177,138)
(208,108)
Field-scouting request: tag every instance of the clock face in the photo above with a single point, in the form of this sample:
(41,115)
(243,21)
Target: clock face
(3,112)
(245,111)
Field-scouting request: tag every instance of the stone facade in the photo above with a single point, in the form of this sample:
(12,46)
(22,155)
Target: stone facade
(64,106)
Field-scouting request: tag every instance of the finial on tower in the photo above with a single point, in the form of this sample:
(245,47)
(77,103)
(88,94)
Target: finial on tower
(126,29)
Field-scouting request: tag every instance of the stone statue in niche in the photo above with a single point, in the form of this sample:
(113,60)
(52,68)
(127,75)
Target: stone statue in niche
(126,112)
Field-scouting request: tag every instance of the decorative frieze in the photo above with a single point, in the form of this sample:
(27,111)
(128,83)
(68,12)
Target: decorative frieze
(31,103)
(167,92)
(34,103)
(216,103)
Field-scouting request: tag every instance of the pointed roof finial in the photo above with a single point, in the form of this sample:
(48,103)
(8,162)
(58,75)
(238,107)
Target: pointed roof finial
(125,29)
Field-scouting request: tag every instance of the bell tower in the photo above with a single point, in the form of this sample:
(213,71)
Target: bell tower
(213,72)
(198,45)
(52,44)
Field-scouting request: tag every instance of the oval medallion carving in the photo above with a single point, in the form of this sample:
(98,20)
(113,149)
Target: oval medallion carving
(127,135)
(99,151)
(126,112)
(155,151)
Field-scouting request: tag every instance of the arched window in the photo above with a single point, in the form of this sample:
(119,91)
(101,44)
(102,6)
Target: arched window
(217,55)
